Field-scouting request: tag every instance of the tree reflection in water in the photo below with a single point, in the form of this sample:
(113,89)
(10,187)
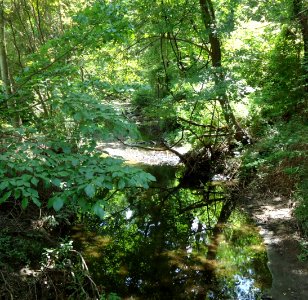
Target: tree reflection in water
(176,243)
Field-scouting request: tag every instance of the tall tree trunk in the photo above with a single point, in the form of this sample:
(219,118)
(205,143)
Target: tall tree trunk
(301,15)
(209,20)
(6,86)
(3,56)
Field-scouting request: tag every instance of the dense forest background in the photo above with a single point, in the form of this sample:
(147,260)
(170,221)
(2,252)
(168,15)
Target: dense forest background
(222,76)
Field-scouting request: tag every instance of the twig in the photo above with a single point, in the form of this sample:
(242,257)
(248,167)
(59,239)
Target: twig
(85,267)
(196,124)
(83,262)
(7,286)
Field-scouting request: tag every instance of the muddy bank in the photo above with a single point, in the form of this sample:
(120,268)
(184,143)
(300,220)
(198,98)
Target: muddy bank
(274,217)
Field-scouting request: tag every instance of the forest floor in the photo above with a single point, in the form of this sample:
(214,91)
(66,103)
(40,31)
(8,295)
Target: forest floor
(274,217)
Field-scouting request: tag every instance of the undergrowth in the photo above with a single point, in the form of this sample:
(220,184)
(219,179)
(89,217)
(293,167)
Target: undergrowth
(278,160)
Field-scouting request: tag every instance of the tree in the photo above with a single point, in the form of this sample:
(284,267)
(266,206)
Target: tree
(66,115)
(7,85)
(300,9)
(215,52)
(3,55)
(183,48)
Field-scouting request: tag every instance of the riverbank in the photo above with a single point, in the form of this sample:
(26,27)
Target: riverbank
(275,219)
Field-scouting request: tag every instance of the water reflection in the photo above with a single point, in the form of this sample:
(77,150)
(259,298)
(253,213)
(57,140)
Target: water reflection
(175,243)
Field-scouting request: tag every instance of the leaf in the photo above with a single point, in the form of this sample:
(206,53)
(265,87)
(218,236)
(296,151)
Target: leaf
(90,190)
(24,203)
(17,193)
(26,177)
(57,204)
(22,183)
(4,185)
(98,182)
(145,185)
(98,210)
(89,174)
(63,173)
(75,162)
(150,177)
(121,184)
(56,182)
(37,202)
(107,185)
(29,192)
(34,181)
(66,149)
(77,117)
(5,197)
(83,204)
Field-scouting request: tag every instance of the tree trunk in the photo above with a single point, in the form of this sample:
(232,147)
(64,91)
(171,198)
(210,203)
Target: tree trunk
(6,85)
(209,20)
(3,56)
(301,14)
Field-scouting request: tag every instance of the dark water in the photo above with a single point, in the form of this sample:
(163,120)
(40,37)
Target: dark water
(175,243)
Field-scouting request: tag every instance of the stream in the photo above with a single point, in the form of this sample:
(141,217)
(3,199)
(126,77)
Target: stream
(173,241)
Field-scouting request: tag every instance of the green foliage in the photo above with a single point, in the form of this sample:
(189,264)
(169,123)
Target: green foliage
(19,250)
(52,160)
(70,265)
(67,76)
(35,171)
(304,254)
(111,296)
(143,98)
(57,257)
(301,210)
(283,91)
(282,149)
(280,122)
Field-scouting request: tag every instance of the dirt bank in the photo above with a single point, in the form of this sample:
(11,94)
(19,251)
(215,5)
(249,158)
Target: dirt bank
(274,217)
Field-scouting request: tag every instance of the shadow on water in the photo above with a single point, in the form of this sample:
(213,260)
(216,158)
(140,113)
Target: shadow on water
(175,243)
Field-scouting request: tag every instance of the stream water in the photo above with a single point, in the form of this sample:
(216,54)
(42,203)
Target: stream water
(171,242)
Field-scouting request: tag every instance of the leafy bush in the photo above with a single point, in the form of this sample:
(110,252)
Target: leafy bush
(52,174)
(301,210)
(143,98)
(19,250)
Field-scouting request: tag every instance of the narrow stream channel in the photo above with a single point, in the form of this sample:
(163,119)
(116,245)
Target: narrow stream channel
(171,242)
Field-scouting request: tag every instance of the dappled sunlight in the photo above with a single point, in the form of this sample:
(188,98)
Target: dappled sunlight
(131,131)
(137,155)
(258,248)
(91,243)
(272,212)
